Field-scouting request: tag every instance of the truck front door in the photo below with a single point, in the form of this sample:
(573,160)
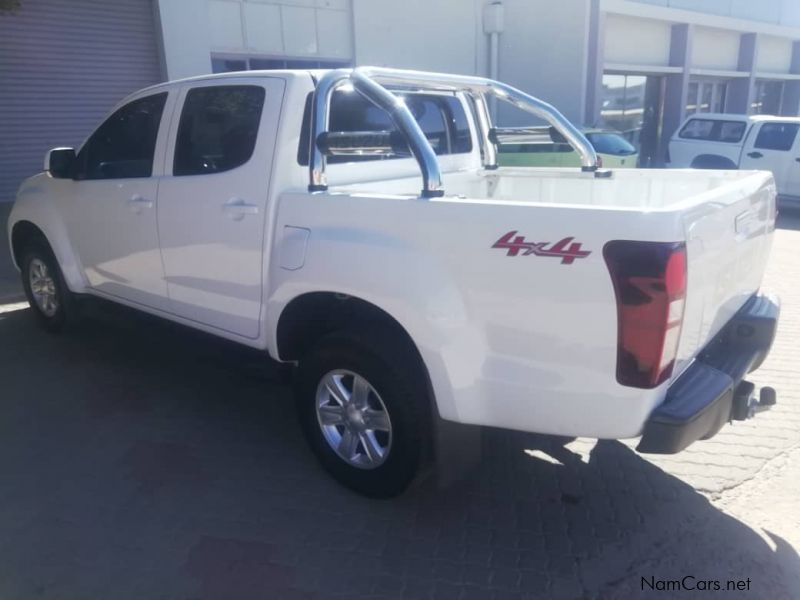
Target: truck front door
(111,214)
(213,201)
(771,146)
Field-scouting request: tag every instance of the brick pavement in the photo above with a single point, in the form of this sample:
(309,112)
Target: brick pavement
(143,460)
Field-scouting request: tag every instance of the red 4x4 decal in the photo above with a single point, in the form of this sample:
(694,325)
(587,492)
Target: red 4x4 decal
(566,249)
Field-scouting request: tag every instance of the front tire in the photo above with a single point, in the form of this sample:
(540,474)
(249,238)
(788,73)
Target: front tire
(51,301)
(363,409)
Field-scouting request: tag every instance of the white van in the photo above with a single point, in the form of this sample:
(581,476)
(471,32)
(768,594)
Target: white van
(725,141)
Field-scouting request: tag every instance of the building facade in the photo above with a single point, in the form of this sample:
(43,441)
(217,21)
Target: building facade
(637,66)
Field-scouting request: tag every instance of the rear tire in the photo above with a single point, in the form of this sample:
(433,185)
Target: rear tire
(51,301)
(364,410)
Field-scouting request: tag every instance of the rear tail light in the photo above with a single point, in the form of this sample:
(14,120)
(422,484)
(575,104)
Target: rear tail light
(650,284)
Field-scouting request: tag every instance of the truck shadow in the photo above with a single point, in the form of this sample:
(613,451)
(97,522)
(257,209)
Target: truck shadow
(141,459)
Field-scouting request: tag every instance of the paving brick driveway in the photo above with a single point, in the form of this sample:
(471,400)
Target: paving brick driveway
(141,460)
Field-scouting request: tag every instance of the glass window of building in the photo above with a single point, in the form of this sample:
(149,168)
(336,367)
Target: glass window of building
(767,97)
(633,105)
(706,96)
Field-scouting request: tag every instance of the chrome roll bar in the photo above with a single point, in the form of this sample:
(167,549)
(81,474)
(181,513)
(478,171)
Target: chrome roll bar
(370,82)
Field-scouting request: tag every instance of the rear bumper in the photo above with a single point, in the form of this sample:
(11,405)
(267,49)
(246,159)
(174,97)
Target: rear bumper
(708,393)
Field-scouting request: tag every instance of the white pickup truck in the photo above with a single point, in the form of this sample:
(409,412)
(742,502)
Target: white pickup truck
(355,223)
(729,141)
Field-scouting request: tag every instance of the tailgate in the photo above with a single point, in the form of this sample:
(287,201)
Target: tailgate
(728,238)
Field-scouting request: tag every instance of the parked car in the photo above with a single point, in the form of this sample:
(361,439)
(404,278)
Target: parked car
(285,210)
(724,141)
(613,151)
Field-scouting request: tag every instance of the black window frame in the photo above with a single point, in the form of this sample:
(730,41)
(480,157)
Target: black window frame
(81,169)
(446,104)
(182,170)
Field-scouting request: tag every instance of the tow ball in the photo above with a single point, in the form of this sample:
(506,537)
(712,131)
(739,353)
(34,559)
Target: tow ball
(746,404)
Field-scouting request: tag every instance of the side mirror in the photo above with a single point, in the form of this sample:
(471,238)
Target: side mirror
(59,162)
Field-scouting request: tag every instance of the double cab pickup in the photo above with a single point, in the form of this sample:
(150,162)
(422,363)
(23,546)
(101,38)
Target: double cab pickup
(355,223)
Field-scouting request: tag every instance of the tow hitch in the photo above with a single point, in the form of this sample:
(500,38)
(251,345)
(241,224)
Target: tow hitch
(746,404)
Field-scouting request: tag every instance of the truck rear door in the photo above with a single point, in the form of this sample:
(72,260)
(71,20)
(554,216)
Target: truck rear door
(212,200)
(772,146)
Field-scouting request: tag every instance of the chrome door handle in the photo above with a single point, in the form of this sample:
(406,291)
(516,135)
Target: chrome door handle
(754,154)
(236,209)
(136,203)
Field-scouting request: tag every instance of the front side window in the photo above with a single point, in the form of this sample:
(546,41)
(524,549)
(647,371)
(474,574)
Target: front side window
(442,119)
(776,136)
(123,146)
(218,129)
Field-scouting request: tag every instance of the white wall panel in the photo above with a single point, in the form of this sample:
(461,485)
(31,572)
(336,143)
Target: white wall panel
(333,34)
(337,4)
(436,35)
(637,41)
(293,28)
(186,37)
(299,30)
(225,20)
(715,49)
(774,54)
(263,27)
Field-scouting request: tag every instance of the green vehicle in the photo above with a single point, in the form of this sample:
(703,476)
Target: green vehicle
(613,150)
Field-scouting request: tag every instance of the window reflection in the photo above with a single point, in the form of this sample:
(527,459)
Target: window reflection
(706,95)
(632,105)
(767,97)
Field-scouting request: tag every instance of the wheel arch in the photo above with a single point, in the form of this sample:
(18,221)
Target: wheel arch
(28,225)
(712,161)
(311,315)
(22,234)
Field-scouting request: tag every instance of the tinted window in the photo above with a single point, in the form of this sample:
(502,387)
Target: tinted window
(731,131)
(697,129)
(776,136)
(543,147)
(713,130)
(611,143)
(123,145)
(218,129)
(442,119)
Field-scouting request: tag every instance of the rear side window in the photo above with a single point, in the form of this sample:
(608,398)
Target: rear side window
(218,129)
(776,136)
(442,119)
(123,146)
(713,130)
